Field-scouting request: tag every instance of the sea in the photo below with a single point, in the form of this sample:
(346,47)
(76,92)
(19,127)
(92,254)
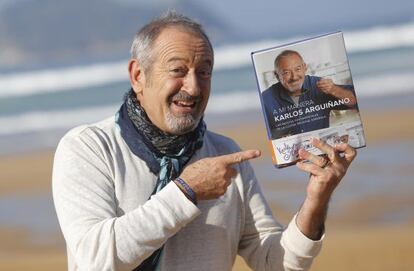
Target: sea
(37,107)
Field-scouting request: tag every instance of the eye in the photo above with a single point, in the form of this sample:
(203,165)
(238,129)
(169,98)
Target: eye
(285,74)
(299,68)
(205,73)
(178,72)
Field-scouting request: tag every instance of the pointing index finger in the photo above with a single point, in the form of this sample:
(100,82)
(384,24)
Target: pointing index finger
(239,157)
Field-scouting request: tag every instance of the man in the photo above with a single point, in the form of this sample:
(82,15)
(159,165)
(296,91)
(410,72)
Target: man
(285,102)
(152,189)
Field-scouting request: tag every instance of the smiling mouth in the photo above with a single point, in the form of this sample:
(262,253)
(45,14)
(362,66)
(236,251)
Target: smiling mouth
(295,82)
(185,104)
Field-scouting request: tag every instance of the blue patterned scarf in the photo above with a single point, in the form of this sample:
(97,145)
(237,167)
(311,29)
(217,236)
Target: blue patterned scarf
(165,154)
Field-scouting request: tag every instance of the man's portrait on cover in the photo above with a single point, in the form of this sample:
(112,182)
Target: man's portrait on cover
(300,102)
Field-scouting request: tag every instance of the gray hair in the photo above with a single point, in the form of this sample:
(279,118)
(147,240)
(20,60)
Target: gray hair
(285,53)
(142,46)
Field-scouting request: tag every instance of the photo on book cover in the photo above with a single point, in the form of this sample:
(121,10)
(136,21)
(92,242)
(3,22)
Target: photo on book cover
(306,90)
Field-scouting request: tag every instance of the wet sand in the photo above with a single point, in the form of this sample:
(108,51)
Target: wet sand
(363,249)
(353,241)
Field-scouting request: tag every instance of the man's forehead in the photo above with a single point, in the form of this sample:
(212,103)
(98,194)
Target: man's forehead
(177,44)
(290,60)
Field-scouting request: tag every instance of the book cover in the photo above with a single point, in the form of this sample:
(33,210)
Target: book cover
(306,90)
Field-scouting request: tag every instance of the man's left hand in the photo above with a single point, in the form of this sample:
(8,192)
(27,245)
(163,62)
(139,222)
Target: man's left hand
(325,174)
(325,85)
(325,171)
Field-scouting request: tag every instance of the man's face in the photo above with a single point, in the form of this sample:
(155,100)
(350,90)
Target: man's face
(175,91)
(291,73)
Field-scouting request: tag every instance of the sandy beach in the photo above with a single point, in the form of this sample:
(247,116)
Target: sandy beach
(353,242)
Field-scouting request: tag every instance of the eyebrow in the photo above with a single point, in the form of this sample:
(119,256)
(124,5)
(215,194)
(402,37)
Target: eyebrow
(208,61)
(177,58)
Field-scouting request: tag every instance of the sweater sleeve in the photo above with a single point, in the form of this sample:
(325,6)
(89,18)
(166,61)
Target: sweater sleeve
(85,202)
(265,244)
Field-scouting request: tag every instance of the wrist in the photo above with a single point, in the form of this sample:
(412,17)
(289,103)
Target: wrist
(334,90)
(316,205)
(186,189)
(311,220)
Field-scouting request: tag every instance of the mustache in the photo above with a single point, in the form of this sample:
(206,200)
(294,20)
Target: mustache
(294,81)
(182,95)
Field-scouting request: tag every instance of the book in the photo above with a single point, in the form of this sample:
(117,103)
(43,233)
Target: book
(306,91)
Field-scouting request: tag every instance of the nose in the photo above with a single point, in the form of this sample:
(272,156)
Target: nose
(295,76)
(191,84)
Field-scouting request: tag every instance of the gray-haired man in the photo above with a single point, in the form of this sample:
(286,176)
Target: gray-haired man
(152,189)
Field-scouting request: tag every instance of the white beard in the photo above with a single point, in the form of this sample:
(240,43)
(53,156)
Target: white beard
(181,125)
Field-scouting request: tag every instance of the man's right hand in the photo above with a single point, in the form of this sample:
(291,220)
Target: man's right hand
(210,177)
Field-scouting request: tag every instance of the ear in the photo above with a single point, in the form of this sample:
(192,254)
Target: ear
(136,77)
(277,76)
(305,67)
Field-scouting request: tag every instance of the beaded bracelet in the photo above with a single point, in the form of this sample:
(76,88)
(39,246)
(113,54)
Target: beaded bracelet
(188,191)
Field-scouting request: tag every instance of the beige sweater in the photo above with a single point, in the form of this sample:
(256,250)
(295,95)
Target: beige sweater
(101,190)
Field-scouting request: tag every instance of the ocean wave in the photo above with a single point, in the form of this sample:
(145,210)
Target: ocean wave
(384,84)
(380,37)
(48,120)
(56,80)
(226,57)
(371,39)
